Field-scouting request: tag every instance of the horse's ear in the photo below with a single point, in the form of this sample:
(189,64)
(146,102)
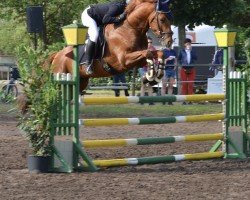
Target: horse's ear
(165,2)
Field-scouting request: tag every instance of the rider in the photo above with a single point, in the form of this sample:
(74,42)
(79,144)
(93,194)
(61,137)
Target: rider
(98,15)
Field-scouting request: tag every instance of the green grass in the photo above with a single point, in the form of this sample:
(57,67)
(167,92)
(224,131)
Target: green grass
(8,108)
(132,110)
(138,110)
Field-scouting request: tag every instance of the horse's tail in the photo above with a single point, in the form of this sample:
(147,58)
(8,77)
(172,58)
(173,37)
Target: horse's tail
(48,62)
(51,57)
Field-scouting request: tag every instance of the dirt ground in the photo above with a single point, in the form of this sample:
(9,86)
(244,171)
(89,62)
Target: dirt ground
(210,179)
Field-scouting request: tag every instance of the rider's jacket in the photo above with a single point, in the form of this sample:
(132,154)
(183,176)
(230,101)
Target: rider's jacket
(107,13)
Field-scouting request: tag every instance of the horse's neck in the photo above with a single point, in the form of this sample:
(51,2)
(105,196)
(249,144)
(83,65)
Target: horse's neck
(138,19)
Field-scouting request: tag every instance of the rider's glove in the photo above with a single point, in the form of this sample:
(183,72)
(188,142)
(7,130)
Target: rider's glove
(122,17)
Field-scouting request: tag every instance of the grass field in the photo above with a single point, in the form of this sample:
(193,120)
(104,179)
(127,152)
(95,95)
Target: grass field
(136,110)
(133,110)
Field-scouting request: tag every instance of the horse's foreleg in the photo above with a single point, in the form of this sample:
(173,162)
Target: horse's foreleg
(137,58)
(159,70)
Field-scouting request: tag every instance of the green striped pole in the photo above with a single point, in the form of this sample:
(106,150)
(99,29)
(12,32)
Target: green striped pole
(150,140)
(149,99)
(75,116)
(78,151)
(151,120)
(157,159)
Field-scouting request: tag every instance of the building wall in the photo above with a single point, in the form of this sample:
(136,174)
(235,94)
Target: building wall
(5,63)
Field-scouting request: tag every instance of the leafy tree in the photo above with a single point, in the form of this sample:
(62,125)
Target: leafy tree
(57,13)
(196,12)
(12,36)
(240,22)
(241,15)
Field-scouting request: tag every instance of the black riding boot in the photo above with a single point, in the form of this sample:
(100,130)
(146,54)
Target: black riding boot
(126,93)
(117,93)
(90,52)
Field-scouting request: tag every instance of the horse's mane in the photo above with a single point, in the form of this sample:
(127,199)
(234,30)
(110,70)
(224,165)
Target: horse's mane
(133,3)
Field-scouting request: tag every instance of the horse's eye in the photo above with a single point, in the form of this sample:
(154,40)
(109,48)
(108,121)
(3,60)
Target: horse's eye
(162,20)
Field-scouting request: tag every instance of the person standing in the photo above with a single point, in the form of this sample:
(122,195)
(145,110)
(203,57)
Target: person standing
(120,80)
(170,60)
(217,60)
(96,16)
(186,58)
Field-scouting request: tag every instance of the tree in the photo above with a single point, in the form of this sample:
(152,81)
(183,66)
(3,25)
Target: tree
(196,12)
(241,15)
(12,36)
(57,13)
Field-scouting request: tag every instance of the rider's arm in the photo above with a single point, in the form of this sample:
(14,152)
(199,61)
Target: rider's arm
(180,57)
(111,15)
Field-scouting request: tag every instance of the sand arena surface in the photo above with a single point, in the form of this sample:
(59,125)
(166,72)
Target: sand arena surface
(213,179)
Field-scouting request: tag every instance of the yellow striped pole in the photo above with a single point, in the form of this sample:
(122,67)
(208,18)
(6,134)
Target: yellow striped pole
(157,159)
(150,140)
(149,99)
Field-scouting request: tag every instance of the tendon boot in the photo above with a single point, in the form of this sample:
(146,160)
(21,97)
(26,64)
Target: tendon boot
(90,52)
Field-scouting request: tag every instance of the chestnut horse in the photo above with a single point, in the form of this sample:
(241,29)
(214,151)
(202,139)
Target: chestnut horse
(126,45)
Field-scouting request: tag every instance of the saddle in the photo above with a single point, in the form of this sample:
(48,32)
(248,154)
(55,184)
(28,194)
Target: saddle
(99,47)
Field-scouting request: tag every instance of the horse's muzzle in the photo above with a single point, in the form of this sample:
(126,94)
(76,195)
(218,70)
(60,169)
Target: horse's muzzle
(167,42)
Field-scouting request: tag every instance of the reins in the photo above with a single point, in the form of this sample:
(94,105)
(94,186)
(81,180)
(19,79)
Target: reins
(162,34)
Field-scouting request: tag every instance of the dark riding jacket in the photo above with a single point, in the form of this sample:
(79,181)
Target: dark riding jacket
(182,58)
(107,13)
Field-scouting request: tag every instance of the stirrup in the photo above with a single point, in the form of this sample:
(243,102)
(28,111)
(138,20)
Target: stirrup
(84,63)
(89,70)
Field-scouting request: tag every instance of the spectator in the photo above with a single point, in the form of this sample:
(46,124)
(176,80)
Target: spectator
(187,57)
(143,71)
(217,60)
(120,80)
(169,72)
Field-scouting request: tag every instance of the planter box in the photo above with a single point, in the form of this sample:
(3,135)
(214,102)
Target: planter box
(39,164)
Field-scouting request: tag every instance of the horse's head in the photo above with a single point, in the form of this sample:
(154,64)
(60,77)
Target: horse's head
(161,27)
(144,14)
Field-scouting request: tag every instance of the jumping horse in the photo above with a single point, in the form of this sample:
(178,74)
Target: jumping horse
(126,44)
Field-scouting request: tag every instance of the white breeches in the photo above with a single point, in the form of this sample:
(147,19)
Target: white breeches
(93,30)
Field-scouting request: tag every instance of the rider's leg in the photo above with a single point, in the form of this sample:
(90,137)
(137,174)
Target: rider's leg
(123,81)
(93,32)
(90,52)
(115,83)
(142,92)
(170,85)
(126,93)
(164,85)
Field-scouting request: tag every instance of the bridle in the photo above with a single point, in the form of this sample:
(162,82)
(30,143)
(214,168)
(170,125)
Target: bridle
(162,34)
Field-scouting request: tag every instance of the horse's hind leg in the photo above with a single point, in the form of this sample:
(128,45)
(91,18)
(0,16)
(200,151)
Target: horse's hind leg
(83,84)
